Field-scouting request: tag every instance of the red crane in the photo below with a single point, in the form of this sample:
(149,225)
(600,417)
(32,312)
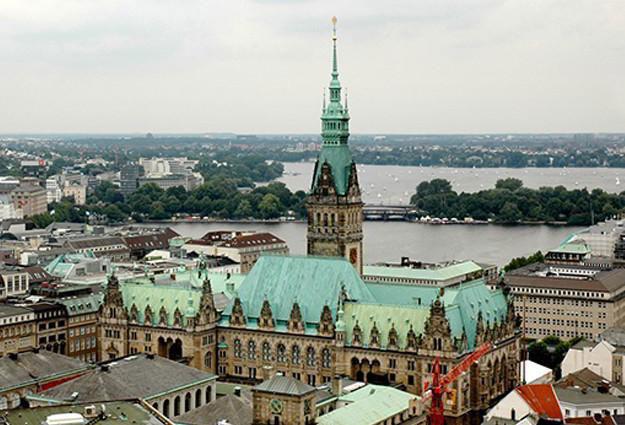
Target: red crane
(440,384)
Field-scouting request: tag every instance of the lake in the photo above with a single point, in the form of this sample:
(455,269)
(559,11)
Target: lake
(389,241)
(393,184)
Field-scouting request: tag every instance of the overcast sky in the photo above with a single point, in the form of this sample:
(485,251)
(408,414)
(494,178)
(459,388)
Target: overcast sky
(259,66)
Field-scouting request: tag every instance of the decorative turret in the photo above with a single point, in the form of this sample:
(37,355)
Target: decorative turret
(148,316)
(374,338)
(266,316)
(437,332)
(237,317)
(134,314)
(326,325)
(357,335)
(339,329)
(113,305)
(411,340)
(177,318)
(334,204)
(296,325)
(207,313)
(392,338)
(162,316)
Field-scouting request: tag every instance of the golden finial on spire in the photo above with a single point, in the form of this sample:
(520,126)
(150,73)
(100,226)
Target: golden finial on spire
(334,27)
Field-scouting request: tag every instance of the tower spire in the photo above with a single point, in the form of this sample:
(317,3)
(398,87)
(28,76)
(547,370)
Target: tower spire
(335,68)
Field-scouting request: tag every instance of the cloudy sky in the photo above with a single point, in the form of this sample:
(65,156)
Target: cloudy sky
(259,66)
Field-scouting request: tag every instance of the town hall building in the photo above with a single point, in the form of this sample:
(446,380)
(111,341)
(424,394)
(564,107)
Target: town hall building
(313,317)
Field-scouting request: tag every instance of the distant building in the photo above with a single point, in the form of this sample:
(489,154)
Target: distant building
(129,178)
(76,191)
(17,331)
(156,167)
(51,330)
(33,167)
(31,199)
(605,357)
(243,248)
(187,181)
(112,247)
(13,281)
(82,325)
(8,209)
(573,301)
(441,275)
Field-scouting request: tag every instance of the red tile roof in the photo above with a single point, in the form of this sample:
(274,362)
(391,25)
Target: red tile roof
(542,399)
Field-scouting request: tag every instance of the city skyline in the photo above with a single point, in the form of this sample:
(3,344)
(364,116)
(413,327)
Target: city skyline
(259,66)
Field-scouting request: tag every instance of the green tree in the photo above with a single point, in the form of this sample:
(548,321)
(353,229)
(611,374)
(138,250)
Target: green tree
(509,183)
(270,207)
(244,209)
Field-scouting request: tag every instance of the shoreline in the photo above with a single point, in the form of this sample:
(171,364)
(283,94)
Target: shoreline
(302,221)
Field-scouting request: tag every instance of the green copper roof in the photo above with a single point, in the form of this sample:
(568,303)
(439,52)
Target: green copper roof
(339,158)
(64,263)
(171,297)
(440,273)
(572,248)
(311,281)
(384,316)
(369,405)
(462,306)
(183,293)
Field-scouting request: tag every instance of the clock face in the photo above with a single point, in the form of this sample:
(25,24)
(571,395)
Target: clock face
(275,406)
(353,255)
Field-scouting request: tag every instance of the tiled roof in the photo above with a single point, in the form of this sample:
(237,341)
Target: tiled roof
(284,385)
(236,410)
(131,377)
(254,239)
(34,367)
(542,399)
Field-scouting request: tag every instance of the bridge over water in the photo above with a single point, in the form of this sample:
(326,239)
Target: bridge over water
(390,212)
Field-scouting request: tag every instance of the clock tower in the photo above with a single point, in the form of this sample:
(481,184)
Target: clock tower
(334,204)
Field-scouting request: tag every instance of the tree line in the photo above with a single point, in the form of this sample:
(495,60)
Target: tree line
(509,202)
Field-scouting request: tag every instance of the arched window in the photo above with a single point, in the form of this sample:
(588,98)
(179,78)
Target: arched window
(325,220)
(266,351)
(187,402)
(166,408)
(177,406)
(310,357)
(438,344)
(237,348)
(208,394)
(326,358)
(281,353)
(295,355)
(198,398)
(208,359)
(251,349)
(513,414)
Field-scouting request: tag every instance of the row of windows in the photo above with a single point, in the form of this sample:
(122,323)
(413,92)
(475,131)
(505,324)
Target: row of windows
(82,330)
(294,356)
(541,291)
(112,333)
(82,318)
(16,330)
(82,344)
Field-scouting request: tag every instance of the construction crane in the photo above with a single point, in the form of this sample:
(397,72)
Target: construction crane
(439,385)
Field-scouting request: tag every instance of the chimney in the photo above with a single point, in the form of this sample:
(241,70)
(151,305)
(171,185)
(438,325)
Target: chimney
(337,385)
(268,372)
(237,391)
